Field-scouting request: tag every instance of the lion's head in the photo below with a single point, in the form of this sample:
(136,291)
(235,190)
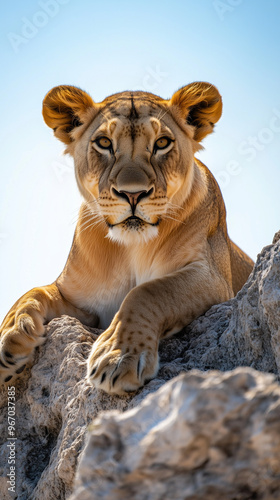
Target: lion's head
(134,151)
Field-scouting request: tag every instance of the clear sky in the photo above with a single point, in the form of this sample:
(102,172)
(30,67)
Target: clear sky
(109,46)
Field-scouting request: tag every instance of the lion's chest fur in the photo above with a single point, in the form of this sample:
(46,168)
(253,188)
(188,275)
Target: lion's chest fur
(99,279)
(105,294)
(107,299)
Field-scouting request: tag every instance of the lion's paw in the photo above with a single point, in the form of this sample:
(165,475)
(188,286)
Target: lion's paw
(17,346)
(120,367)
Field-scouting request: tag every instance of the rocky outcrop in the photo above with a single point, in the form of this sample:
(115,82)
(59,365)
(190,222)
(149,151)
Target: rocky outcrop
(201,436)
(55,405)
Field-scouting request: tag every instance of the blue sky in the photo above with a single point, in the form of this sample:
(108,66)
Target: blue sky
(105,47)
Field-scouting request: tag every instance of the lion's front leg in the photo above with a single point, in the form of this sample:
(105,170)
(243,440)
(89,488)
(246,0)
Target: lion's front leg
(23,329)
(125,356)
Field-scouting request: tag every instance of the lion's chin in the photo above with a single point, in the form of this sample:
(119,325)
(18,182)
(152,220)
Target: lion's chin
(132,231)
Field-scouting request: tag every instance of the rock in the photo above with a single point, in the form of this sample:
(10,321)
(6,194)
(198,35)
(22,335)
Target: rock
(55,404)
(201,436)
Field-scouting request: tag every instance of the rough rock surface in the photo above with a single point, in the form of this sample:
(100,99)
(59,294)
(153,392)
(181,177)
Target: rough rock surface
(55,405)
(200,436)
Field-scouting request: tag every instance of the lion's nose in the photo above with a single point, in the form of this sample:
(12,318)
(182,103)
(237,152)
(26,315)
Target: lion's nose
(133,198)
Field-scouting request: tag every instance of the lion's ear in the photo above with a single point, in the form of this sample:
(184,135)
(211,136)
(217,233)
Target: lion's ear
(200,104)
(64,108)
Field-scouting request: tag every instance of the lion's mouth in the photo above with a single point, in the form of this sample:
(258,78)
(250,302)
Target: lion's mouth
(134,222)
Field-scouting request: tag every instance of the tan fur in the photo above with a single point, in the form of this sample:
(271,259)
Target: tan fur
(143,278)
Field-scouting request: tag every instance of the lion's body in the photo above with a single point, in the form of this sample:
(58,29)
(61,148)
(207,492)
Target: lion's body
(151,250)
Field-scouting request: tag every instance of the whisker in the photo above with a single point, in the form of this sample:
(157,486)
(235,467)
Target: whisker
(91,225)
(166,216)
(164,113)
(86,211)
(104,116)
(90,210)
(88,219)
(174,210)
(171,204)
(96,200)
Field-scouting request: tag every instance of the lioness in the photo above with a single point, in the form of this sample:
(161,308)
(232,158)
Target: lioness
(151,250)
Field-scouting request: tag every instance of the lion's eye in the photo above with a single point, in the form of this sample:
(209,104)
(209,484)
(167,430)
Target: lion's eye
(162,143)
(104,143)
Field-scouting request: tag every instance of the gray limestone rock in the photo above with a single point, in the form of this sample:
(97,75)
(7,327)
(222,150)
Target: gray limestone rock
(206,436)
(55,405)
